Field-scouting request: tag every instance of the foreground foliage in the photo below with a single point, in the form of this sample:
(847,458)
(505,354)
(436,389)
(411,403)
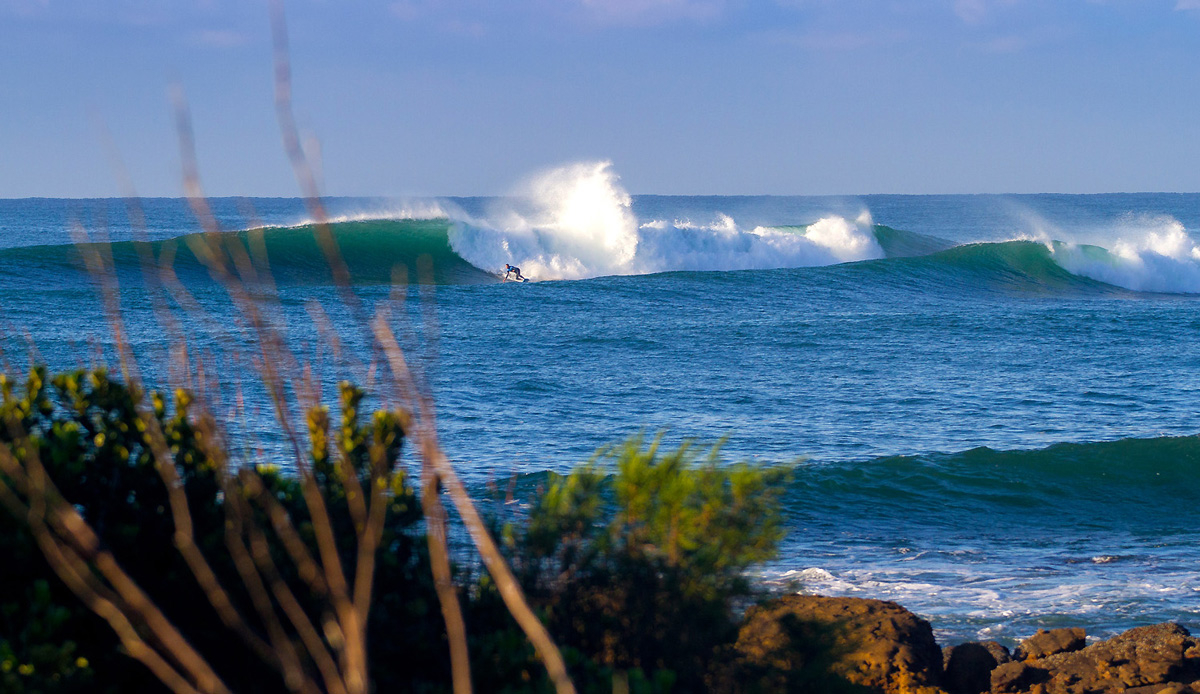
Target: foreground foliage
(635,560)
(85,430)
(639,570)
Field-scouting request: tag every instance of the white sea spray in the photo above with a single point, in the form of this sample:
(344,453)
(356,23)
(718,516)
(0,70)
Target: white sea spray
(1149,254)
(576,221)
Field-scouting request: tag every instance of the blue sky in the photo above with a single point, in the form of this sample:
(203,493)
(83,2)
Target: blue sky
(463,97)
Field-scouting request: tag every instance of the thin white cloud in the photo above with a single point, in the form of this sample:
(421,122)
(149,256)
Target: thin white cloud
(472,17)
(1187,5)
(413,10)
(1004,44)
(465,28)
(219,38)
(834,41)
(405,11)
(449,17)
(23,7)
(980,11)
(971,11)
(652,11)
(135,13)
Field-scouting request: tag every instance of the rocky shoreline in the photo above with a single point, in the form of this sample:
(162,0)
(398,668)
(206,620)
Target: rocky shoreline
(878,646)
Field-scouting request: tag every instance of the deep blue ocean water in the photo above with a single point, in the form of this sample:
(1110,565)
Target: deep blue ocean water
(993,398)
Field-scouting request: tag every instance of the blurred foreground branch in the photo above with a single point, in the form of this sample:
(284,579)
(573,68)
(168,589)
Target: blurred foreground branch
(296,579)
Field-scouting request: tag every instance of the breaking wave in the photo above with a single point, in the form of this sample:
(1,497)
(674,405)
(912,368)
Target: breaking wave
(577,222)
(1159,257)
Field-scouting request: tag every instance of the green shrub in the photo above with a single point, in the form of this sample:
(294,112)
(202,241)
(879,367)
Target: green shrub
(36,655)
(639,569)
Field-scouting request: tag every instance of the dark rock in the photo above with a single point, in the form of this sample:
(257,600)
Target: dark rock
(1016,677)
(871,644)
(998,650)
(968,666)
(1046,643)
(1145,660)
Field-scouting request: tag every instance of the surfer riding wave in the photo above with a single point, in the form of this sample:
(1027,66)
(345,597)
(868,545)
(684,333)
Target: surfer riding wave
(512,272)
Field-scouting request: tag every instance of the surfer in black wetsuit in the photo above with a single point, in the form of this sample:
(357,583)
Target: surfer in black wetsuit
(510,270)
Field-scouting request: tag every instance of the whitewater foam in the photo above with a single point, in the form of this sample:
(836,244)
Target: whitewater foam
(815,580)
(566,223)
(1153,254)
(576,222)
(844,240)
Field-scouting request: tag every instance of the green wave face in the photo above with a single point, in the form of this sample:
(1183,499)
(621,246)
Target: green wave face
(897,243)
(373,251)
(1023,267)
(1103,484)
(1024,262)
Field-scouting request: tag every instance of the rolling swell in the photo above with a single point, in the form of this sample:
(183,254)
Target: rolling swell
(897,243)
(1023,267)
(1131,483)
(1142,486)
